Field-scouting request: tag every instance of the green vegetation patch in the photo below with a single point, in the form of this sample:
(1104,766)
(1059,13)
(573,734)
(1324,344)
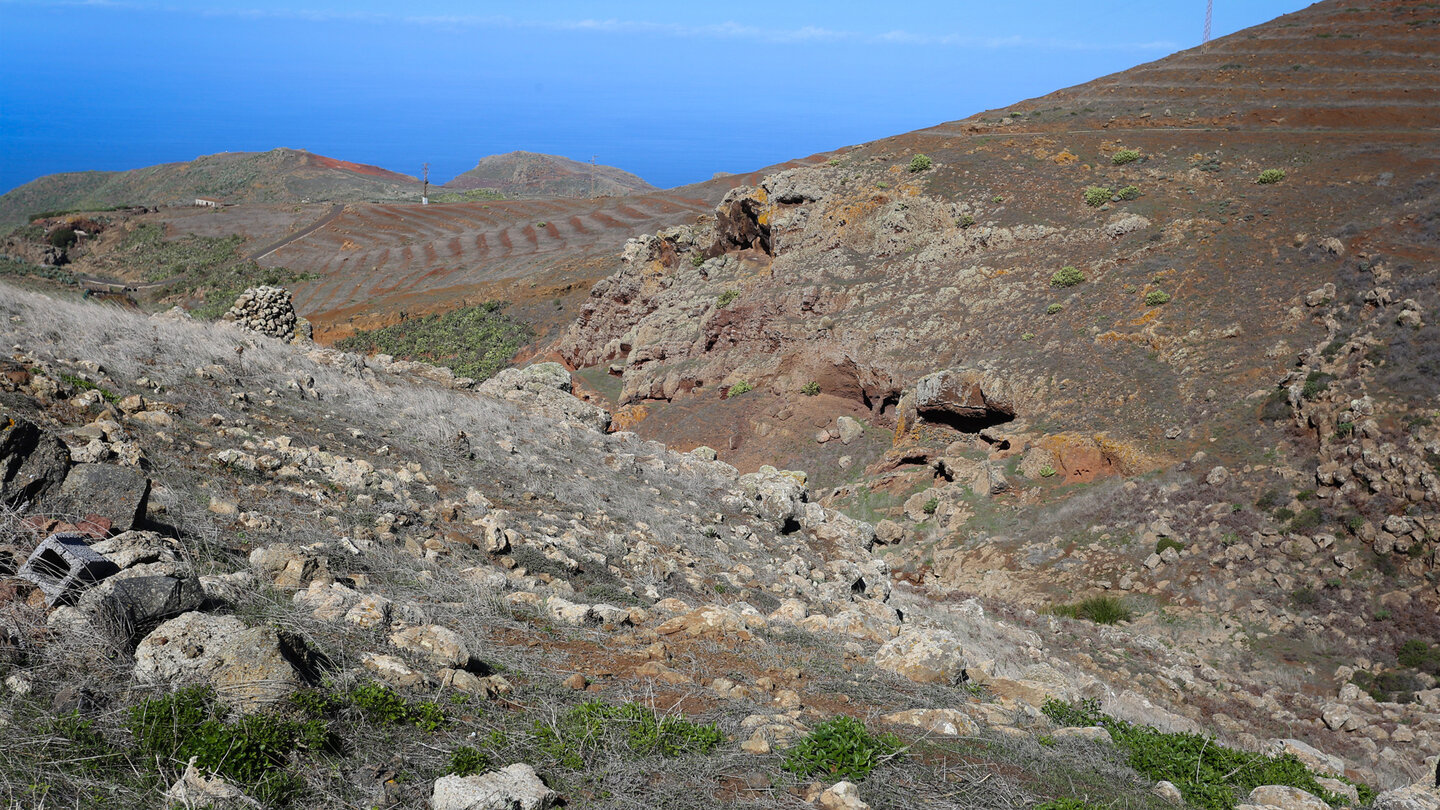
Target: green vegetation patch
(1208,774)
(726,298)
(1067,276)
(473,341)
(1157,298)
(810,389)
(739,388)
(16,268)
(1097,609)
(1124,156)
(1096,196)
(920,163)
(252,750)
(841,748)
(1270,176)
(578,737)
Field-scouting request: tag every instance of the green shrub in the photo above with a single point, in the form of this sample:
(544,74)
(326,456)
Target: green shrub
(919,163)
(931,505)
(253,750)
(1125,156)
(1097,609)
(1054,309)
(1168,542)
(473,341)
(576,738)
(1315,383)
(1067,804)
(1304,596)
(1284,514)
(841,748)
(1156,298)
(1129,193)
(1268,499)
(1067,276)
(810,389)
(1417,653)
(739,388)
(1209,775)
(385,706)
(466,761)
(726,298)
(85,385)
(1047,471)
(1270,176)
(1096,196)
(1306,520)
(63,237)
(1027,336)
(965,221)
(697,259)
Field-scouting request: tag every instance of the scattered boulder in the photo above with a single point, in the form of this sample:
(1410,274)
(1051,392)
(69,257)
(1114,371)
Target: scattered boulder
(516,787)
(968,399)
(33,462)
(545,387)
(841,796)
(924,656)
(109,490)
(136,605)
(949,722)
(196,790)
(249,667)
(441,645)
(1285,798)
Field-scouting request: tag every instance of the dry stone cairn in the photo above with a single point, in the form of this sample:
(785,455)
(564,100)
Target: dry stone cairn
(269,311)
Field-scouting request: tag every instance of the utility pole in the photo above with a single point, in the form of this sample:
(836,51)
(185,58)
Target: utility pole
(425,190)
(592,175)
(1209,11)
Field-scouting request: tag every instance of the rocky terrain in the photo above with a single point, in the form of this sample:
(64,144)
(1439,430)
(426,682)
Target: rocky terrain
(1084,453)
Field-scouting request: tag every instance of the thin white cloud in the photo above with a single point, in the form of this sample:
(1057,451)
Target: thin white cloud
(723,30)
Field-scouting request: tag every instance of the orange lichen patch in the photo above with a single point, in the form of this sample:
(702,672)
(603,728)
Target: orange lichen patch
(1121,337)
(349,245)
(628,417)
(1065,158)
(1148,316)
(1084,457)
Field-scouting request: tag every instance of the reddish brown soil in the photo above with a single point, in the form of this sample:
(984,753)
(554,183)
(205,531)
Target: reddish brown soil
(358,168)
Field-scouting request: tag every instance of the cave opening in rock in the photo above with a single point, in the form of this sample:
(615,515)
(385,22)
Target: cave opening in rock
(967,423)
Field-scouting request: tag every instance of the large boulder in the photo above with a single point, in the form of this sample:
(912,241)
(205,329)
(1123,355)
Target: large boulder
(33,463)
(136,605)
(924,656)
(545,387)
(516,787)
(249,667)
(109,490)
(970,399)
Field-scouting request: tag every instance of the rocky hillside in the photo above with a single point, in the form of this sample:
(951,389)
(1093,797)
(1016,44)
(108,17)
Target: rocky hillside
(280,175)
(252,569)
(528,175)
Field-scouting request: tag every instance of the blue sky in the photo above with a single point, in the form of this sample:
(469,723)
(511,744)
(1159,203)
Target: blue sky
(673,93)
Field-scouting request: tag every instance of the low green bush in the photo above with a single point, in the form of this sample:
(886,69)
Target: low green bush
(1125,156)
(1067,276)
(919,163)
(1096,196)
(1168,542)
(577,737)
(810,389)
(697,259)
(1209,775)
(965,221)
(739,388)
(1129,193)
(1097,609)
(726,298)
(1054,309)
(1156,298)
(1315,384)
(473,341)
(252,750)
(931,506)
(63,237)
(385,706)
(841,748)
(1417,653)
(467,761)
(1270,176)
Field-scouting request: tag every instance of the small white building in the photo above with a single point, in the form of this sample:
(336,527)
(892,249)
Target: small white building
(207,202)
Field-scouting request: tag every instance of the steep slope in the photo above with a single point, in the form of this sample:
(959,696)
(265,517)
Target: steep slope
(280,175)
(528,175)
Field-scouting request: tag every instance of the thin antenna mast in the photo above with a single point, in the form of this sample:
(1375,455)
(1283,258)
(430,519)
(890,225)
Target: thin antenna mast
(1209,12)
(425,190)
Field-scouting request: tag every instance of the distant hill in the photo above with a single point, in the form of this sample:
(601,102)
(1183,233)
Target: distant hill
(529,175)
(279,175)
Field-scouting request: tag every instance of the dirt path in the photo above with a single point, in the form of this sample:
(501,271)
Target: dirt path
(300,234)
